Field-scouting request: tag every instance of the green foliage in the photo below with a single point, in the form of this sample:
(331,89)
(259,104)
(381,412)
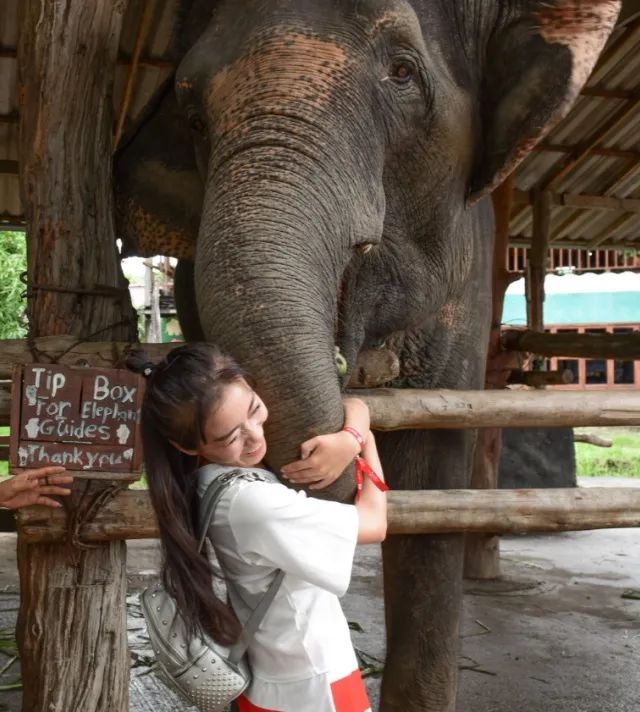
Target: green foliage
(13,258)
(622,459)
(4,465)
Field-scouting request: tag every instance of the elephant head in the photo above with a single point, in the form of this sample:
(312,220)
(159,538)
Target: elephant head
(345,149)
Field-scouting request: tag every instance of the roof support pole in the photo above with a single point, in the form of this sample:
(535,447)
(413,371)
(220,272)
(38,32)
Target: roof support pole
(538,257)
(72,624)
(482,551)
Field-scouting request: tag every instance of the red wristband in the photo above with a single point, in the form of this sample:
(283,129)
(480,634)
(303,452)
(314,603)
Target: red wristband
(356,435)
(364,468)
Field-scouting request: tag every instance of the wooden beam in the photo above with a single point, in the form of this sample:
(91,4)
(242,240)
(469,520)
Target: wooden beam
(129,514)
(628,171)
(538,379)
(156,62)
(615,226)
(587,202)
(524,241)
(604,93)
(625,347)
(374,366)
(592,439)
(599,151)
(72,351)
(141,35)
(538,259)
(401,409)
(575,159)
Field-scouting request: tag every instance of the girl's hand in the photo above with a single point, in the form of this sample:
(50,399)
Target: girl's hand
(324,459)
(33,486)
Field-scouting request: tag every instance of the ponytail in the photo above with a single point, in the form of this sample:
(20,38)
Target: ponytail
(176,403)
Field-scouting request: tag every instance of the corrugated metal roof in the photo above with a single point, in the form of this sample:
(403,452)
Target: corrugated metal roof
(593,152)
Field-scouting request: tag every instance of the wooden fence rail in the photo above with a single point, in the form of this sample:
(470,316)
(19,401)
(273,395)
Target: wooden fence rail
(129,515)
(398,409)
(605,346)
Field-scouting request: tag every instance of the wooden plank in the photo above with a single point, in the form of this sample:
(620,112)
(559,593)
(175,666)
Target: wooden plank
(374,367)
(129,514)
(625,347)
(538,379)
(81,418)
(578,200)
(600,151)
(614,228)
(397,409)
(141,35)
(73,351)
(600,135)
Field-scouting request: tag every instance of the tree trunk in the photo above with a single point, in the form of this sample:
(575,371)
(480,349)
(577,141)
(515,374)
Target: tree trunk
(71,626)
(66,60)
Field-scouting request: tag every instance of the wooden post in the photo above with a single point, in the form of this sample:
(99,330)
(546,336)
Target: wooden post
(537,263)
(482,552)
(71,625)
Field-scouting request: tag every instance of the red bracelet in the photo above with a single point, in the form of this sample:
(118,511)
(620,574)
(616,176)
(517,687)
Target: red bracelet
(356,435)
(364,468)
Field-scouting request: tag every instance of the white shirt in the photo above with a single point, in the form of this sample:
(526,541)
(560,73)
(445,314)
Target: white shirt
(303,643)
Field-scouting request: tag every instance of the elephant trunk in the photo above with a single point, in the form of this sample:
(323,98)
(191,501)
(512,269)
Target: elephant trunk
(267,229)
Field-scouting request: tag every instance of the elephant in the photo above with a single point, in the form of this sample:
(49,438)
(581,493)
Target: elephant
(324,169)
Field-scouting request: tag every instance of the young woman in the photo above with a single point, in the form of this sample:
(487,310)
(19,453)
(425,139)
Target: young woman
(200,408)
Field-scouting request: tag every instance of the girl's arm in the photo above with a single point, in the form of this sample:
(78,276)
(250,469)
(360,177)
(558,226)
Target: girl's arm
(372,503)
(325,457)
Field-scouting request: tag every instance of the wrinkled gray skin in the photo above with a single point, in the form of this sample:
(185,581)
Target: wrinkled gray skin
(319,126)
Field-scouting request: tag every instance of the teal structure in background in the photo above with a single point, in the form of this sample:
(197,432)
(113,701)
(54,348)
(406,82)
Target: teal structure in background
(585,299)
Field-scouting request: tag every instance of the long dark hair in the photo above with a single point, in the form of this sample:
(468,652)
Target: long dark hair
(181,392)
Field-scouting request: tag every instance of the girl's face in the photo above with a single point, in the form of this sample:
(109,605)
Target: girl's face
(234,432)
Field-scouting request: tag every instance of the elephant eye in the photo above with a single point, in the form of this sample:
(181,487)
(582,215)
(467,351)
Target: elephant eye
(402,71)
(196,123)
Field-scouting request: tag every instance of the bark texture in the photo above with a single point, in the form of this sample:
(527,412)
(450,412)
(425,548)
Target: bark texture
(71,626)
(66,58)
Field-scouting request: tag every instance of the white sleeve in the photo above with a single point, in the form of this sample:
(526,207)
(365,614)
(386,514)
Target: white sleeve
(309,538)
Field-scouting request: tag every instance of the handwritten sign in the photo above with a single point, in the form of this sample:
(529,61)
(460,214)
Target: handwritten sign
(81,418)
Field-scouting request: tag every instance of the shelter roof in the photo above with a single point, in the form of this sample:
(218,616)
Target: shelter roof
(590,161)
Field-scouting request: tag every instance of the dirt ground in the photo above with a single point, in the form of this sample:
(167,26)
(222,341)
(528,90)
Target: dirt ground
(560,632)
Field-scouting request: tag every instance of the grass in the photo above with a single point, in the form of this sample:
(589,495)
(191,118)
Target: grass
(620,460)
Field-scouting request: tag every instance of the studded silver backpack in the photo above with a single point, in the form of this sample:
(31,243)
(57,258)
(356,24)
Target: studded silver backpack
(208,674)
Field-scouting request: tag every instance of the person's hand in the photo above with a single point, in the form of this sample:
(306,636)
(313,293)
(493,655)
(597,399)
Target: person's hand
(33,487)
(323,459)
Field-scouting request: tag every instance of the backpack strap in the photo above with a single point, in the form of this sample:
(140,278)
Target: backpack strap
(210,501)
(207,509)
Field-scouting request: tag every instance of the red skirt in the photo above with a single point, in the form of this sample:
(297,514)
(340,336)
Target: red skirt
(349,695)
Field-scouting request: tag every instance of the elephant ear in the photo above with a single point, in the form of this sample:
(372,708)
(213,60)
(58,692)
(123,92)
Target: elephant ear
(538,58)
(158,190)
